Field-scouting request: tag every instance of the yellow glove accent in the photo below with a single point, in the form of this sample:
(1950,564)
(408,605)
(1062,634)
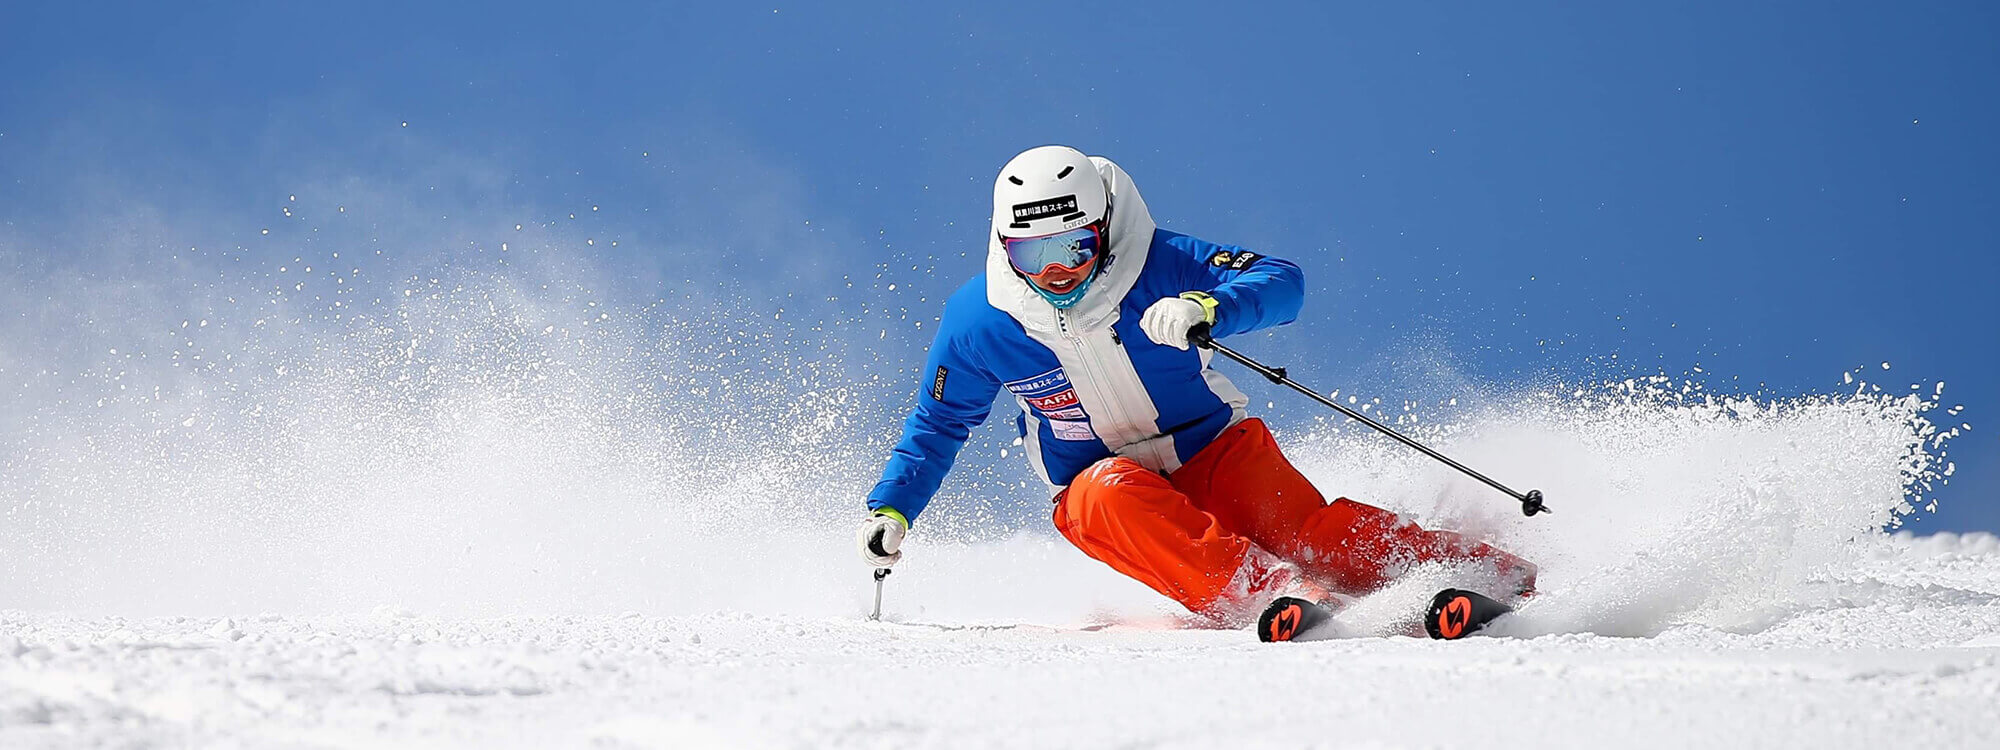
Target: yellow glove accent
(1207,303)
(893,513)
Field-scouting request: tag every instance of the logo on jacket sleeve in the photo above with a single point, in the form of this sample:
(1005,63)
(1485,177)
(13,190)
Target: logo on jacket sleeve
(1235,261)
(937,384)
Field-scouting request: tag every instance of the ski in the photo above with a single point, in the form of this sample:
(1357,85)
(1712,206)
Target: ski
(1290,618)
(1453,614)
(1457,613)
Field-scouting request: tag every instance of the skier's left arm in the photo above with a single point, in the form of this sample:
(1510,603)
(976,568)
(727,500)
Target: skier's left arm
(1232,289)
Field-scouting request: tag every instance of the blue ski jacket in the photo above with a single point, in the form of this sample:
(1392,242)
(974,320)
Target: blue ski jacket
(1089,383)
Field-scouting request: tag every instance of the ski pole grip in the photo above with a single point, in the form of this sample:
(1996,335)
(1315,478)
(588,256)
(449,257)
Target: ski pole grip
(1199,335)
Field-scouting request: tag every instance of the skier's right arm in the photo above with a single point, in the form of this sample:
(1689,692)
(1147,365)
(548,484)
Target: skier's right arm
(955,395)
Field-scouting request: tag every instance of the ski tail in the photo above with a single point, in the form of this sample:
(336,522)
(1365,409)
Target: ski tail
(1290,618)
(1457,613)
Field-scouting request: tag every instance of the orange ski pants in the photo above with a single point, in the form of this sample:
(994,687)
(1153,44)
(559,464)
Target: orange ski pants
(1186,535)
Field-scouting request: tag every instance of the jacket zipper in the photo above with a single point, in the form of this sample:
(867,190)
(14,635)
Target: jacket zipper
(1090,365)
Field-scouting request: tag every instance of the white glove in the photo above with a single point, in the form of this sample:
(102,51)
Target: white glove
(1168,320)
(882,540)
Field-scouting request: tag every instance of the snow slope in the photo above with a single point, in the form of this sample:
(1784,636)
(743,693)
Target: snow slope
(1903,661)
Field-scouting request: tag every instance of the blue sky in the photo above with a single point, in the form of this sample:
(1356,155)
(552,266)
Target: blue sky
(1775,194)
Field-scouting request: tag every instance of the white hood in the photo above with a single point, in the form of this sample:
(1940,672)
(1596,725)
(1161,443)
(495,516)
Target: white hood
(1131,235)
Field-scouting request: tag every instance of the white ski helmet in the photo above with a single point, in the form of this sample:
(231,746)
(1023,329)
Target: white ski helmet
(1048,189)
(1051,209)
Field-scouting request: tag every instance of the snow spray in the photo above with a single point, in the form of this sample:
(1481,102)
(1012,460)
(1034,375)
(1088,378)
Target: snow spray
(347,415)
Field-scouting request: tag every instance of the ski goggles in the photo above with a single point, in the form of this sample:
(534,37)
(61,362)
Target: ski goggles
(1071,249)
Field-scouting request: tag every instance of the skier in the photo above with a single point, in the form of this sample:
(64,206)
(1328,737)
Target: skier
(1083,315)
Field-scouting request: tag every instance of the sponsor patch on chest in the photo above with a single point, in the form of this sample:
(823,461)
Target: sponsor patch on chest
(1051,394)
(1055,401)
(1067,430)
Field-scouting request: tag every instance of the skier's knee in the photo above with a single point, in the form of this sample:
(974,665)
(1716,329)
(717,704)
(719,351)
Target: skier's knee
(1110,471)
(1114,485)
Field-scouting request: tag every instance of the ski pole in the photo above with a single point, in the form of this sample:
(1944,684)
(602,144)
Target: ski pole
(1531,503)
(876,614)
